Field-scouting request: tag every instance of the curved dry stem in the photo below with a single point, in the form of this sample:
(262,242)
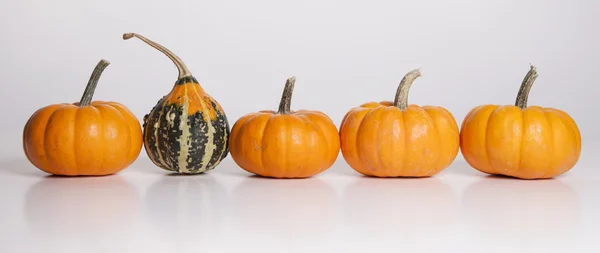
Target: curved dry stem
(88,93)
(401,100)
(523,94)
(286,98)
(183,70)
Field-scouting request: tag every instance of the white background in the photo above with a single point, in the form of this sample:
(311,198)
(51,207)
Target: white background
(344,53)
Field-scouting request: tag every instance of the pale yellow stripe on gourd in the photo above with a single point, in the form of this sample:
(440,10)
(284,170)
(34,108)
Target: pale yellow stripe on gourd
(210,145)
(185,135)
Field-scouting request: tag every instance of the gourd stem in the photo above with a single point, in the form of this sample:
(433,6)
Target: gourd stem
(86,99)
(183,70)
(401,100)
(523,94)
(286,97)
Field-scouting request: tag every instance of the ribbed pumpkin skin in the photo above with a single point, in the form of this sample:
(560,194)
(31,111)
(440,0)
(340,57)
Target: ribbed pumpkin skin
(187,131)
(531,143)
(296,145)
(381,140)
(66,139)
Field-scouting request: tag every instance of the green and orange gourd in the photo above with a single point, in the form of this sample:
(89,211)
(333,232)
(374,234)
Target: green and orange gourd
(527,142)
(187,130)
(85,138)
(285,143)
(395,139)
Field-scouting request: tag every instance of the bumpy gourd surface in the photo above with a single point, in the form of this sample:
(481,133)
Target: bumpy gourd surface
(187,131)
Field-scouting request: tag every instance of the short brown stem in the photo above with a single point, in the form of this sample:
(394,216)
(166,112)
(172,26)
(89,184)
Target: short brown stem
(86,99)
(523,94)
(286,97)
(183,70)
(401,100)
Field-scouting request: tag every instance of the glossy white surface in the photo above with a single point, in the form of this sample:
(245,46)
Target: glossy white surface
(344,53)
(144,209)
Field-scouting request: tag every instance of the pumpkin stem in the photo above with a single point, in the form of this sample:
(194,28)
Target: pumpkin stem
(286,97)
(523,94)
(183,70)
(401,100)
(86,99)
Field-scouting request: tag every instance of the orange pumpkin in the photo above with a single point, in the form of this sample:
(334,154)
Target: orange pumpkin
(83,139)
(519,141)
(399,140)
(285,144)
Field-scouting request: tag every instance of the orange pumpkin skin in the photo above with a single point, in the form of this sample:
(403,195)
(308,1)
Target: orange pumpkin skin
(381,140)
(520,141)
(100,138)
(531,143)
(293,144)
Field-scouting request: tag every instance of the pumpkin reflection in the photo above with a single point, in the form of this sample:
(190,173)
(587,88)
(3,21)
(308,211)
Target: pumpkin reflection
(400,208)
(184,207)
(289,209)
(501,207)
(81,205)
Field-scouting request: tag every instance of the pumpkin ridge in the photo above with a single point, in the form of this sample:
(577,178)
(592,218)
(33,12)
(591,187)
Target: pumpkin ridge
(378,114)
(406,140)
(535,113)
(101,166)
(572,128)
(378,139)
(351,153)
(286,146)
(320,133)
(422,114)
(429,119)
(472,127)
(262,134)
(485,141)
(263,144)
(110,115)
(49,161)
(361,156)
(118,112)
(306,125)
(433,121)
(332,138)
(402,134)
(75,142)
(552,151)
(523,124)
(134,130)
(42,161)
(372,169)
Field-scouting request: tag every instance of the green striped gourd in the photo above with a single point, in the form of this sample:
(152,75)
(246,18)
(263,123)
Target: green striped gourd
(187,131)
